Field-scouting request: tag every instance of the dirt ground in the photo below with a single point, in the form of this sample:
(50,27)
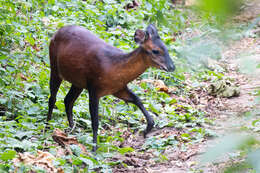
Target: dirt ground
(240,57)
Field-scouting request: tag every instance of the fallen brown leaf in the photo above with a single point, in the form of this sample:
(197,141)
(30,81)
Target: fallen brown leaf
(42,160)
(62,138)
(159,85)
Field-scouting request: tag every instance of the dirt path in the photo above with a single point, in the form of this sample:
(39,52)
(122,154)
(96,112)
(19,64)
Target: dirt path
(241,58)
(233,118)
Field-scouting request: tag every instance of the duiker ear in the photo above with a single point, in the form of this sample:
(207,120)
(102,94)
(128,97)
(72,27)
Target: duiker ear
(151,29)
(140,36)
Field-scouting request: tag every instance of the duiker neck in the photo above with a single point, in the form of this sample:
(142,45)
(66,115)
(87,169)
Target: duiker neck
(133,64)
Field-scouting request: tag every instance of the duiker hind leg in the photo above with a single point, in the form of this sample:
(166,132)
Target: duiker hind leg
(55,82)
(69,100)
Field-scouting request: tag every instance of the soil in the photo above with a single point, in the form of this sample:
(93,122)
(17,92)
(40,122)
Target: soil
(229,113)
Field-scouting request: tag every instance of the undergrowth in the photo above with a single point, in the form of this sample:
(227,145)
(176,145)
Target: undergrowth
(26,27)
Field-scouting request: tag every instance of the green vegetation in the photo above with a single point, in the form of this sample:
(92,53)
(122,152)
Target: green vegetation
(26,27)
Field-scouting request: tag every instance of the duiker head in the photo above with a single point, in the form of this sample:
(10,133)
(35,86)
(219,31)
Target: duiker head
(151,42)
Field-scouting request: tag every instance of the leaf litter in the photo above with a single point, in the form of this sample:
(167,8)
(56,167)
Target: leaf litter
(175,157)
(42,160)
(45,159)
(62,139)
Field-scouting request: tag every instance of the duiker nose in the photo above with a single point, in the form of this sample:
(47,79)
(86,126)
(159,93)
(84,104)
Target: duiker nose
(171,67)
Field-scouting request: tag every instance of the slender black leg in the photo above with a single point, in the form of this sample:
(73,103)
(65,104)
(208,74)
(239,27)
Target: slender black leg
(128,96)
(93,107)
(55,82)
(69,100)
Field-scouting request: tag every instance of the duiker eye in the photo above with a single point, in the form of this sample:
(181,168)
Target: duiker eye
(156,52)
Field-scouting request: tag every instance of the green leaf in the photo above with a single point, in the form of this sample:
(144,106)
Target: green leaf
(33,110)
(3,100)
(125,150)
(8,155)
(226,145)
(76,161)
(170,100)
(155,108)
(3,57)
(75,149)
(254,159)
(88,162)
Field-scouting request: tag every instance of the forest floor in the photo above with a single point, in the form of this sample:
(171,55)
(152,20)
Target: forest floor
(240,58)
(191,117)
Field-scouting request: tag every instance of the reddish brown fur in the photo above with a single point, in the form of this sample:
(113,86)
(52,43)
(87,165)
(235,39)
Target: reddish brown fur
(82,57)
(78,56)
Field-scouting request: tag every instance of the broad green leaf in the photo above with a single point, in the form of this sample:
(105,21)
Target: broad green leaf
(125,150)
(7,155)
